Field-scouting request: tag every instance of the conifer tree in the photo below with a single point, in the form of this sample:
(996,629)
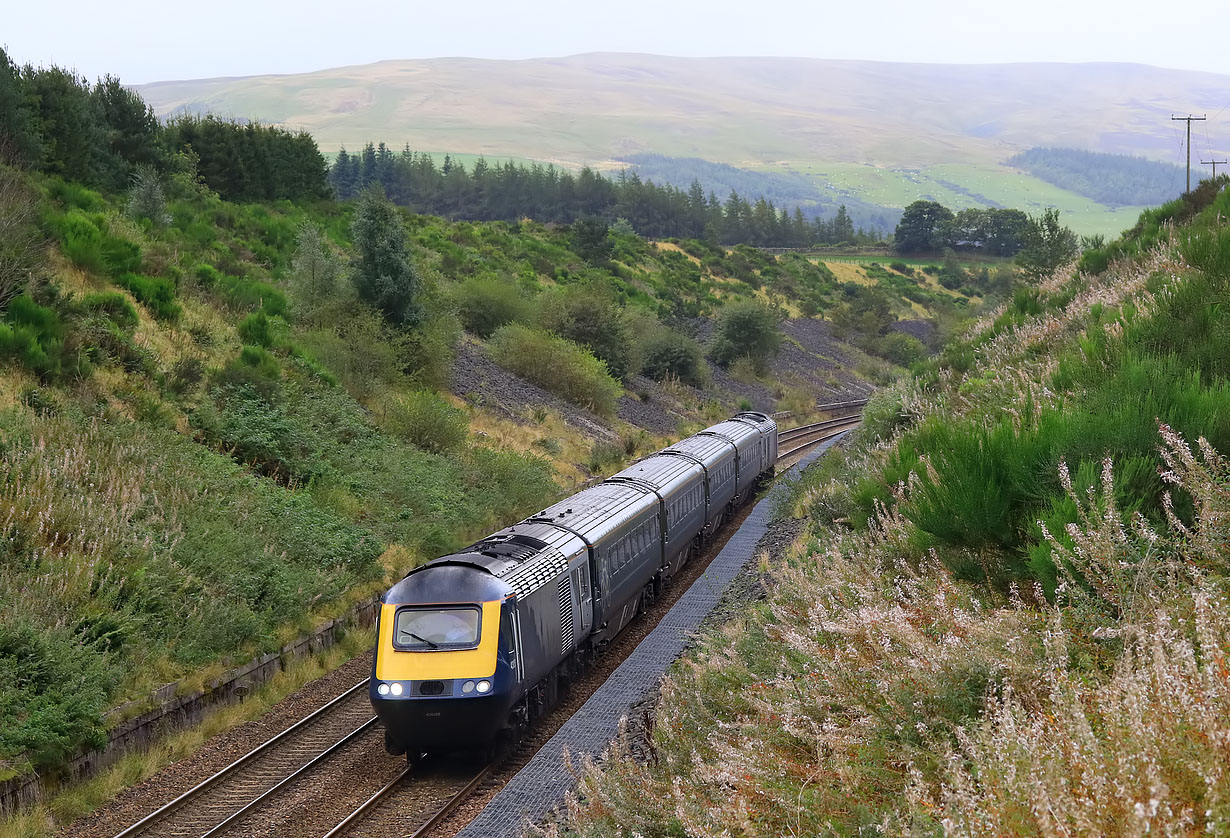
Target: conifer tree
(383,272)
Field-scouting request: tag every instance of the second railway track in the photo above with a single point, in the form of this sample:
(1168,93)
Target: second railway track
(232,800)
(210,807)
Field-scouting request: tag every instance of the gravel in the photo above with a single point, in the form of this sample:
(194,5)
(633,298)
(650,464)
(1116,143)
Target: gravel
(480,380)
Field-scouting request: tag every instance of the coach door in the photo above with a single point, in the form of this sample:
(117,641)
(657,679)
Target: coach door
(585,596)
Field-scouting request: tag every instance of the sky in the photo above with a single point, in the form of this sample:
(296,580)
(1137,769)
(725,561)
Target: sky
(153,40)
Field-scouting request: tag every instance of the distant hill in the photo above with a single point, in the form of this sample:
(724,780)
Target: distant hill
(1110,179)
(741,111)
(881,133)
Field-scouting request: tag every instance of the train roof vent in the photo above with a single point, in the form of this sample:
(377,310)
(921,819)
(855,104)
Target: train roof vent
(526,578)
(509,548)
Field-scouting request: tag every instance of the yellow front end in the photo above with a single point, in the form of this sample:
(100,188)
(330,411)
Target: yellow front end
(480,662)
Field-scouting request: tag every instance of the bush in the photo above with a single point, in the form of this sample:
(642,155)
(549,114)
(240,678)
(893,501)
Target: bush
(256,429)
(605,456)
(155,292)
(746,329)
(426,421)
(363,352)
(668,354)
(23,252)
(52,694)
(248,294)
(112,305)
(900,348)
(484,304)
(146,198)
(556,364)
(34,337)
(590,315)
(254,329)
(81,241)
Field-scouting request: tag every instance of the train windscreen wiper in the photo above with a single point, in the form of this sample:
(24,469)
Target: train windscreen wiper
(421,639)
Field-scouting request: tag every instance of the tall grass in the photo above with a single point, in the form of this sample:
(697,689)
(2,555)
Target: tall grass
(1009,612)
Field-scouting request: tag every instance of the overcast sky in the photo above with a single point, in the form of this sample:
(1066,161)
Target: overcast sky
(151,40)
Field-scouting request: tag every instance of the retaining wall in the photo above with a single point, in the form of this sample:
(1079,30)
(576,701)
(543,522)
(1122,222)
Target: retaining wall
(172,710)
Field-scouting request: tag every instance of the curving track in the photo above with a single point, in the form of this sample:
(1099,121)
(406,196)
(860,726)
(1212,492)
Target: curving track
(234,799)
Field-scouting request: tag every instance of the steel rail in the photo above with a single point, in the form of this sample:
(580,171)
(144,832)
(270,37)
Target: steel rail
(833,431)
(802,430)
(369,803)
(299,772)
(168,808)
(448,808)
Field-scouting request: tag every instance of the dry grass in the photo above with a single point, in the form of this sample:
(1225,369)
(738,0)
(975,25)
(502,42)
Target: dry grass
(674,248)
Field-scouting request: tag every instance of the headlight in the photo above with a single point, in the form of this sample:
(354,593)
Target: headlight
(467,687)
(483,686)
(395,688)
(383,689)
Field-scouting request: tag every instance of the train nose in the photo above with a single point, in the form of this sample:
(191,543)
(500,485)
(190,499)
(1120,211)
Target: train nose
(442,724)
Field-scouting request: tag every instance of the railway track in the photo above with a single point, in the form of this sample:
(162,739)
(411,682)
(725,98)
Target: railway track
(210,807)
(397,809)
(793,440)
(232,797)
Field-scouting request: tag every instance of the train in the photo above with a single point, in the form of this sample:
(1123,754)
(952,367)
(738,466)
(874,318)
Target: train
(472,647)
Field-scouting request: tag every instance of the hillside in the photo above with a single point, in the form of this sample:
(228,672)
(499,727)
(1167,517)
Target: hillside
(882,133)
(1004,610)
(217,429)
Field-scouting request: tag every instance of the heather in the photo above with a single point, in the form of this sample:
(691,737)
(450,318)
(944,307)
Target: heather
(1006,612)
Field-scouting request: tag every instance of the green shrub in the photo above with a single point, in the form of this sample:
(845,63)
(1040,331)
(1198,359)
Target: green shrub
(746,329)
(484,304)
(52,693)
(254,330)
(900,348)
(590,315)
(257,429)
(263,362)
(120,256)
(1209,251)
(81,241)
(207,276)
(248,294)
(74,195)
(605,456)
(1094,261)
(34,337)
(426,421)
(112,305)
(669,354)
(155,292)
(556,364)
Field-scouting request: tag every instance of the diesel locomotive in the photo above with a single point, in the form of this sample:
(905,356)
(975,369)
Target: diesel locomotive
(471,647)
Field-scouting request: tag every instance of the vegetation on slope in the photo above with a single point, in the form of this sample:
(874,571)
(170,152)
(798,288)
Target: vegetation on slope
(222,421)
(1007,612)
(1110,179)
(511,191)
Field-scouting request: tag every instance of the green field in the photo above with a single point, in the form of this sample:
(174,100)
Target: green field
(976,186)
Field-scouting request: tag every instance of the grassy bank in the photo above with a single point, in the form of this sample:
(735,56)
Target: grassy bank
(1008,612)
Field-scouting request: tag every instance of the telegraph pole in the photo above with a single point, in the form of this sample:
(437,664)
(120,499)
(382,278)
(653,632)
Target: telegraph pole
(1214,164)
(1189,119)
